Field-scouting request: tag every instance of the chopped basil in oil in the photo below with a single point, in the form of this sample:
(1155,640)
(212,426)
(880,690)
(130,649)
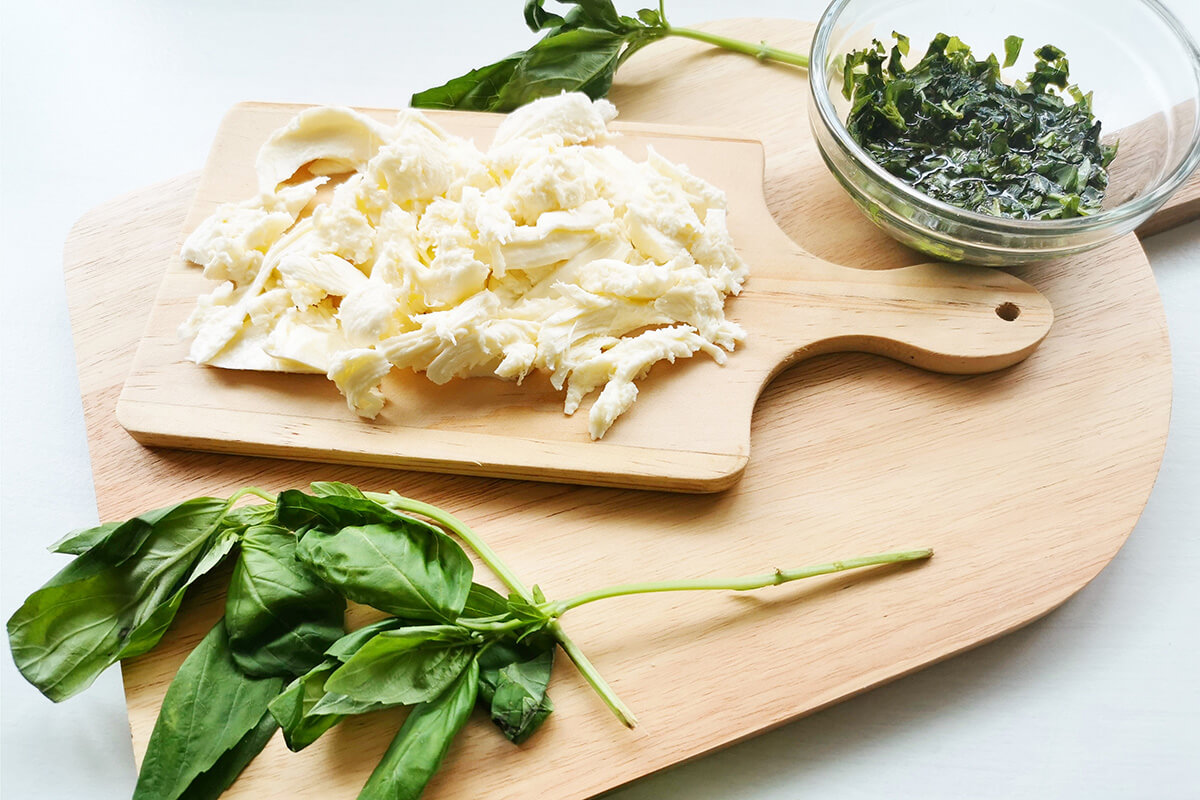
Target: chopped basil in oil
(951,128)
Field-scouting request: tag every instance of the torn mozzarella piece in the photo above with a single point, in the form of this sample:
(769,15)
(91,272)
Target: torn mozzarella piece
(368,313)
(327,139)
(230,243)
(342,227)
(330,273)
(358,374)
(626,361)
(310,337)
(564,119)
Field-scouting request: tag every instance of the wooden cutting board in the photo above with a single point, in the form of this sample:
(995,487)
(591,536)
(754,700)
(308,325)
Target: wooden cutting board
(1026,482)
(690,427)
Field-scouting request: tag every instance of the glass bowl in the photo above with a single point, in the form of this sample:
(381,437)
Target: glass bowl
(1138,60)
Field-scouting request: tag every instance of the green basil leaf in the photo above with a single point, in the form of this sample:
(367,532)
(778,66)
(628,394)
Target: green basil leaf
(484,601)
(335,489)
(1012,49)
(579,60)
(145,636)
(306,709)
(405,666)
(294,708)
(512,684)
(529,613)
(281,620)
(211,783)
(239,519)
(219,546)
(478,90)
(81,540)
(651,17)
(423,741)
(349,644)
(403,567)
(209,709)
(301,512)
(579,54)
(538,18)
(601,14)
(109,604)
(114,543)
(340,705)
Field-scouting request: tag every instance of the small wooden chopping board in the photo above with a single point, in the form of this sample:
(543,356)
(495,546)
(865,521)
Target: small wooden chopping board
(690,427)
(1026,482)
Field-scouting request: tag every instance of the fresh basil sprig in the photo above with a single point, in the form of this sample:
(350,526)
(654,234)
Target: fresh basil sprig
(580,52)
(280,657)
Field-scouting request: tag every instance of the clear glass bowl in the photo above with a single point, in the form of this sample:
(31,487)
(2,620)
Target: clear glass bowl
(1140,63)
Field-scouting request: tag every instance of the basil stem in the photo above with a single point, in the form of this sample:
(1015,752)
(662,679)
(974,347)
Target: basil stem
(761,51)
(743,584)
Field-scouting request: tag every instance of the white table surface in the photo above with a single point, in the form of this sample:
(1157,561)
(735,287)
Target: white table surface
(1101,699)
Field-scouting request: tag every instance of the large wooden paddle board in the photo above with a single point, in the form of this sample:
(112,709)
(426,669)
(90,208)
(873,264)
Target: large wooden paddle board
(1025,481)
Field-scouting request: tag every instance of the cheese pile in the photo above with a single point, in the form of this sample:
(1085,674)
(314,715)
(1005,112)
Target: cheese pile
(552,251)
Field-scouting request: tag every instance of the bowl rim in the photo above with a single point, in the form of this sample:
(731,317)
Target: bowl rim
(1141,205)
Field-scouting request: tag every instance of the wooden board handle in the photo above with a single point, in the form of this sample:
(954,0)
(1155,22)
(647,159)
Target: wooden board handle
(943,317)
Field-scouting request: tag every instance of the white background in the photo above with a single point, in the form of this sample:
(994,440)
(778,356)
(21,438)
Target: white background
(1099,700)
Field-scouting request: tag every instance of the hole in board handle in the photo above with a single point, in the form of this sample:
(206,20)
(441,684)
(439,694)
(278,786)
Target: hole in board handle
(1008,311)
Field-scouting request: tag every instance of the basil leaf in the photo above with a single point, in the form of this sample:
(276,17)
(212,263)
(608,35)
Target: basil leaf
(116,542)
(110,603)
(294,708)
(478,90)
(219,546)
(280,619)
(535,618)
(600,14)
(538,18)
(239,519)
(405,666)
(209,709)
(142,638)
(423,741)
(301,512)
(403,567)
(81,540)
(349,644)
(1012,49)
(579,60)
(146,635)
(484,601)
(340,705)
(220,776)
(305,709)
(512,684)
(335,489)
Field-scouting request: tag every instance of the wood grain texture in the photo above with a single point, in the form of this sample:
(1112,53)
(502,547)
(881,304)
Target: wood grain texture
(1025,481)
(690,427)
